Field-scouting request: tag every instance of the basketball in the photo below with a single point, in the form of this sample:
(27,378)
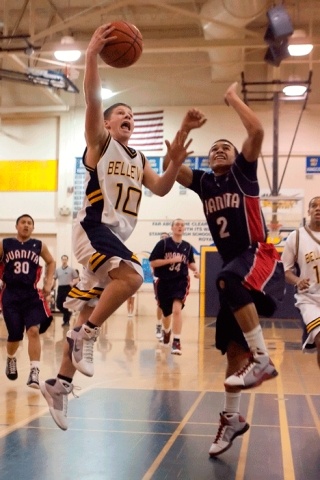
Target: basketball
(126,49)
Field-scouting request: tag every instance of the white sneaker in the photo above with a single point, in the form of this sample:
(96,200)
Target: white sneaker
(159,331)
(33,380)
(258,369)
(56,391)
(231,426)
(81,341)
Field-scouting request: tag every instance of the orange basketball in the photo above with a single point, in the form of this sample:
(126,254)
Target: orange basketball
(126,49)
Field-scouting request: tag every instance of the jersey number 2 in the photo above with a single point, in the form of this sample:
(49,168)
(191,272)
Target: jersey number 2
(222,222)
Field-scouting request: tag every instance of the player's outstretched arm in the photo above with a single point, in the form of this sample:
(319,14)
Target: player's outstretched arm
(95,132)
(177,152)
(252,145)
(194,118)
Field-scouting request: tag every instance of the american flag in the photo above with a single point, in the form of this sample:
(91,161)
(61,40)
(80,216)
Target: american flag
(148,131)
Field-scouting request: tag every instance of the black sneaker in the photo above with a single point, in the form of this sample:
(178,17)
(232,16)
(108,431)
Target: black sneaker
(11,368)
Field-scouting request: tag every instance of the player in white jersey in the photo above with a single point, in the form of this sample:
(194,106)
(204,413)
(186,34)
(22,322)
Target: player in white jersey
(301,259)
(113,195)
(115,175)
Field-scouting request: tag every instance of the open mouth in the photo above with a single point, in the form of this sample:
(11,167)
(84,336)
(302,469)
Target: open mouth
(126,125)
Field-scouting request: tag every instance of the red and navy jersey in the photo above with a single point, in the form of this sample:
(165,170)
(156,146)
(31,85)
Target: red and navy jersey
(231,205)
(168,248)
(21,262)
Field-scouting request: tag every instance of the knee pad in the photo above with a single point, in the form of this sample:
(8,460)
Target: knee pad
(232,292)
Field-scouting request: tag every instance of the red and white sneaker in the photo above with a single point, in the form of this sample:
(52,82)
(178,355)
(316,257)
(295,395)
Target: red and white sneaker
(176,348)
(231,426)
(166,337)
(258,369)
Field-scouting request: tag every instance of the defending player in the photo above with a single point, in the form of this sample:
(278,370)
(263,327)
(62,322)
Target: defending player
(252,276)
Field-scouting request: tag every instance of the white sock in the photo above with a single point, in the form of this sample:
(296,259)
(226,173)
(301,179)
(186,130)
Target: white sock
(11,356)
(177,337)
(255,340)
(232,402)
(35,364)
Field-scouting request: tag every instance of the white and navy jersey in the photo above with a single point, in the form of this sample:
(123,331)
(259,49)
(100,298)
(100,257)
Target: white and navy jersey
(168,248)
(21,262)
(113,189)
(308,260)
(231,205)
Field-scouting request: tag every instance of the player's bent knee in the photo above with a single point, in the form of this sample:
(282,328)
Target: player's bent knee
(232,292)
(317,341)
(135,281)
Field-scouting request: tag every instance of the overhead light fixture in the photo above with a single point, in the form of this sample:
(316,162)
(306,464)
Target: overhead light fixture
(300,50)
(294,90)
(295,87)
(66,51)
(300,46)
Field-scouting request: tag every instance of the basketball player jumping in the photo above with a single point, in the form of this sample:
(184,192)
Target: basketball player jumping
(252,274)
(115,175)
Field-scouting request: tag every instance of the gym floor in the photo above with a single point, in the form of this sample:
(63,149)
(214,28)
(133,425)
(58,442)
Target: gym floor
(147,414)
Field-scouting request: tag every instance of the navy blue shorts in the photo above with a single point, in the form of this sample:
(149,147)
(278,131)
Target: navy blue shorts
(227,327)
(23,309)
(169,290)
(262,274)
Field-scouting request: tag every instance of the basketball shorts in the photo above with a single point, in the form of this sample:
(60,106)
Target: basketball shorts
(169,290)
(261,269)
(99,250)
(22,309)
(310,313)
(262,272)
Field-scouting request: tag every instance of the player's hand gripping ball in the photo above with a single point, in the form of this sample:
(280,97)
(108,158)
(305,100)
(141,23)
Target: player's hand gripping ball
(126,49)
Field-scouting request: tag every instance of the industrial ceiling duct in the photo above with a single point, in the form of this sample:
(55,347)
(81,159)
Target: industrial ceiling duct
(227,61)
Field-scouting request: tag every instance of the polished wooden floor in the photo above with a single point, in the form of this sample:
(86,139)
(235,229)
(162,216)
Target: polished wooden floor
(147,414)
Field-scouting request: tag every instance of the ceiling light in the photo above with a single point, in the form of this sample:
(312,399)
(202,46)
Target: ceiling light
(299,44)
(66,51)
(294,90)
(300,50)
